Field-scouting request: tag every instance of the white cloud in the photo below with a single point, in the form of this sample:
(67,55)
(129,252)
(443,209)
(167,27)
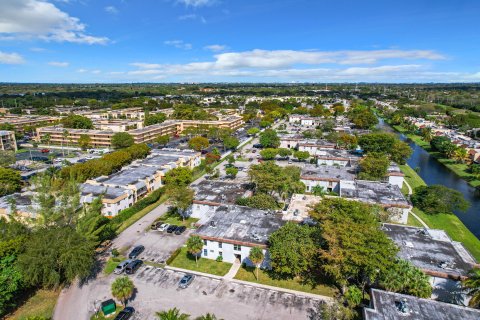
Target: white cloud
(96,71)
(11,58)
(82,70)
(59,64)
(111,10)
(178,44)
(24,19)
(197,3)
(215,47)
(38,49)
(291,65)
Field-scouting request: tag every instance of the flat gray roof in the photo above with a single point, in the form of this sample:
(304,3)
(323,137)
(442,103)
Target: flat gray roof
(385,306)
(337,153)
(129,175)
(158,160)
(322,172)
(430,250)
(219,191)
(374,192)
(242,225)
(98,190)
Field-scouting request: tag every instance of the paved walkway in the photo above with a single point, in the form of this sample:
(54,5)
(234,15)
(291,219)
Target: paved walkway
(411,212)
(233,270)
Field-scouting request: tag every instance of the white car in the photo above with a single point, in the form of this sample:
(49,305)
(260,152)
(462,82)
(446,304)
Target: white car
(121,266)
(163,227)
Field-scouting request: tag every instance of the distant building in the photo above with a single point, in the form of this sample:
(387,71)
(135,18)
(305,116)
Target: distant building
(392,306)
(7,140)
(342,158)
(234,230)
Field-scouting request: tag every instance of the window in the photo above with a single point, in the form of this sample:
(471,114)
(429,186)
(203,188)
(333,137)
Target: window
(205,252)
(205,242)
(220,253)
(219,244)
(237,247)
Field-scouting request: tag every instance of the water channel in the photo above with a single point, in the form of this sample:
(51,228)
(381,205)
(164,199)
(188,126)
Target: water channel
(433,172)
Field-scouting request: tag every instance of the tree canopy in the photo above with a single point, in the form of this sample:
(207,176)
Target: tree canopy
(198,143)
(437,198)
(269,139)
(75,121)
(374,166)
(10,181)
(122,140)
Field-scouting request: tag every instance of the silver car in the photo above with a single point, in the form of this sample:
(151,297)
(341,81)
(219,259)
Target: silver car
(186,281)
(121,266)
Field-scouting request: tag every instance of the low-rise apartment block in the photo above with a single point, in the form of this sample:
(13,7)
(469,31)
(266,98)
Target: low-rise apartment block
(234,230)
(7,140)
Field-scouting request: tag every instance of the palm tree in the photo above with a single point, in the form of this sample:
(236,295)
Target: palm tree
(172,314)
(256,256)
(426,134)
(461,155)
(195,246)
(208,316)
(472,286)
(122,289)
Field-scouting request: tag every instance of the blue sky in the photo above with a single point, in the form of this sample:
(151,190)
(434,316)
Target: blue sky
(239,41)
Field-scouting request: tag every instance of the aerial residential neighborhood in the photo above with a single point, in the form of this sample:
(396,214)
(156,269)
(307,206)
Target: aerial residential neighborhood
(224,160)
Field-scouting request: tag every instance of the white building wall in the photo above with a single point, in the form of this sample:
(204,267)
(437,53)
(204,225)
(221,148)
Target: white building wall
(213,249)
(327,185)
(332,162)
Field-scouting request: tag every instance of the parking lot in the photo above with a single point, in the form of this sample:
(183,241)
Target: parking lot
(157,289)
(158,244)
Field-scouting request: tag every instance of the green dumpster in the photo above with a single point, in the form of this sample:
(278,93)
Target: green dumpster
(108,307)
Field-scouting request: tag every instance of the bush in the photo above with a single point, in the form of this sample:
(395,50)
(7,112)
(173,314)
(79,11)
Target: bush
(174,255)
(219,259)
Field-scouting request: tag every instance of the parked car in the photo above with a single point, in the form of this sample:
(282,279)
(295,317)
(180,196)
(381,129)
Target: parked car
(156,225)
(133,266)
(121,266)
(172,228)
(45,151)
(254,151)
(180,230)
(186,281)
(163,227)
(125,314)
(258,145)
(136,252)
(103,246)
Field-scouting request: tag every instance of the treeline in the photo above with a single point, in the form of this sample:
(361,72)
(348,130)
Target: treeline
(107,164)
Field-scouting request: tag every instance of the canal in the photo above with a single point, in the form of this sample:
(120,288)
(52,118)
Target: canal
(433,172)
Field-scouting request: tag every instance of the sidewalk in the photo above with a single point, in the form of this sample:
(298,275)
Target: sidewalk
(233,270)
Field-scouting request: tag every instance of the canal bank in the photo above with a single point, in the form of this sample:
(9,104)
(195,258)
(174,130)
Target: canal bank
(463,226)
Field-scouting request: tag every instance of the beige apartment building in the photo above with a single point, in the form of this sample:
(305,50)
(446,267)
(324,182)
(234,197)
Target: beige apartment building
(7,140)
(20,122)
(102,138)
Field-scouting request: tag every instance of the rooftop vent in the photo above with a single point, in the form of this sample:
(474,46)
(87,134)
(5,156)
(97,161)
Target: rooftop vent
(213,223)
(402,306)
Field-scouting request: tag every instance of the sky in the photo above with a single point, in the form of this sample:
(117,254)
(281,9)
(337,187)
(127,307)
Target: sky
(322,41)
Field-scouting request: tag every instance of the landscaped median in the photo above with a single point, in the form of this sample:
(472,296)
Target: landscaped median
(183,260)
(448,222)
(265,278)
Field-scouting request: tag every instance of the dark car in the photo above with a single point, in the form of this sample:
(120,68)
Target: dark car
(258,146)
(133,266)
(185,281)
(172,228)
(180,230)
(125,314)
(155,225)
(136,252)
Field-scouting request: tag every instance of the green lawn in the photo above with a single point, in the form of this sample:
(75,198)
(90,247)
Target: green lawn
(177,220)
(186,261)
(248,274)
(41,304)
(112,264)
(412,221)
(448,222)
